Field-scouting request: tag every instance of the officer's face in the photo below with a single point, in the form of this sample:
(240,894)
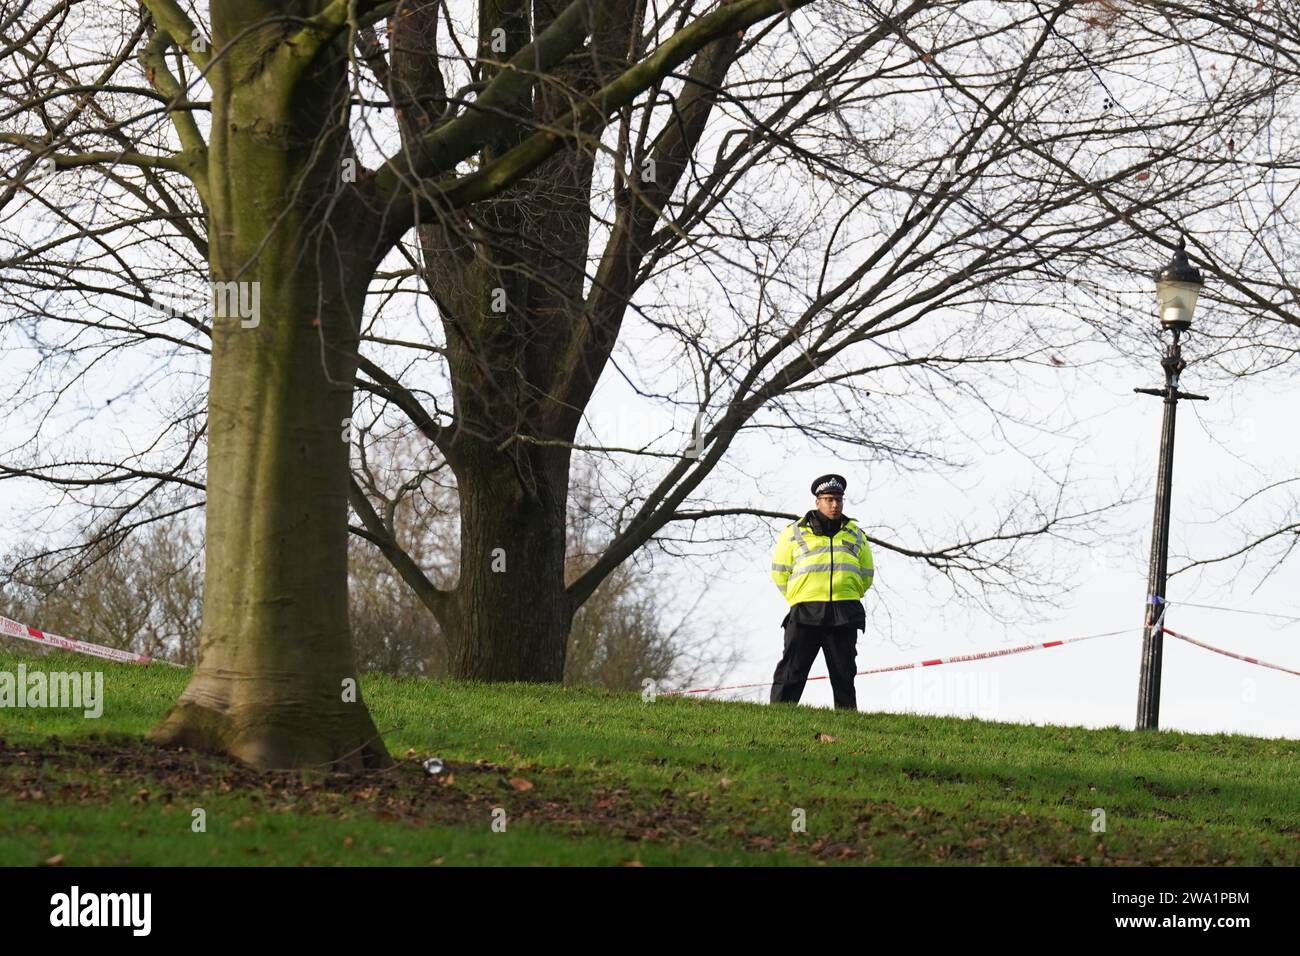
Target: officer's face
(830,505)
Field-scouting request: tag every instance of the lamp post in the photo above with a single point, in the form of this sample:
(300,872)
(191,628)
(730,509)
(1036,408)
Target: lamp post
(1177,286)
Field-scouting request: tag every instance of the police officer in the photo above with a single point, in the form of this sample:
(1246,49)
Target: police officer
(822,564)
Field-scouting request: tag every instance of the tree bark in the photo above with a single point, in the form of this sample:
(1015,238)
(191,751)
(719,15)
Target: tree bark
(509,617)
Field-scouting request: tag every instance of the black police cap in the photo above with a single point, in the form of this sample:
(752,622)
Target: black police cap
(829,485)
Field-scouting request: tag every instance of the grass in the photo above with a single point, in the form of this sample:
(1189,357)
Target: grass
(592,777)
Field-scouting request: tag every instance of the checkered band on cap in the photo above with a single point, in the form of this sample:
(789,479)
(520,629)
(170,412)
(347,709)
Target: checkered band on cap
(831,485)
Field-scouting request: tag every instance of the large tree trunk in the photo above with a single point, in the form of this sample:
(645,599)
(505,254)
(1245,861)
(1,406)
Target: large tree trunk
(508,279)
(524,345)
(509,616)
(276,684)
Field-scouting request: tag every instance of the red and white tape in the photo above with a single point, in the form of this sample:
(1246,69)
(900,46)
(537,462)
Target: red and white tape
(13,628)
(1239,657)
(932,662)
(22,631)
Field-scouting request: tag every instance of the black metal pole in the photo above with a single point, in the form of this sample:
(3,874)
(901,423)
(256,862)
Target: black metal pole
(1148,709)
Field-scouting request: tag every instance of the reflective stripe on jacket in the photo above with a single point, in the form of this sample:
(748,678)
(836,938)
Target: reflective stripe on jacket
(807,566)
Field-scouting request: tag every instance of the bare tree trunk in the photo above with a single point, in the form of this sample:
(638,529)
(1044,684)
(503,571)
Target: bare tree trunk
(275,684)
(509,616)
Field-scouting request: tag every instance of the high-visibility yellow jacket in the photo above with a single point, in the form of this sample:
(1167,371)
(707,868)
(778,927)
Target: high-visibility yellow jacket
(807,566)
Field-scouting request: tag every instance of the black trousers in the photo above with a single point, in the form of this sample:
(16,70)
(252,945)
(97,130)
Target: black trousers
(802,642)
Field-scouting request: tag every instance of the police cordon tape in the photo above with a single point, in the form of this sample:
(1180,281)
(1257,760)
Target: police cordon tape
(1219,650)
(15,629)
(982,655)
(933,662)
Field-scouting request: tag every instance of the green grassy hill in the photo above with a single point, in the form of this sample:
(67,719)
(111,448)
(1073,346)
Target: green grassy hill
(586,776)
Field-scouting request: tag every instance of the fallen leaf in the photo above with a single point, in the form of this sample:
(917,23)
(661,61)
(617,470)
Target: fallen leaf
(519,783)
(826,738)
(56,860)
